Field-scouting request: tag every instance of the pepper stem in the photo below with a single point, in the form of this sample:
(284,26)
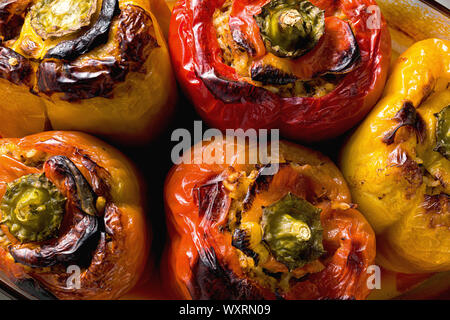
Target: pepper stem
(32,208)
(290,28)
(293,231)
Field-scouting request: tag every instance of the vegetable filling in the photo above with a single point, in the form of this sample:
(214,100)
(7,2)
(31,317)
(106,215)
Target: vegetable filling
(289,30)
(278,234)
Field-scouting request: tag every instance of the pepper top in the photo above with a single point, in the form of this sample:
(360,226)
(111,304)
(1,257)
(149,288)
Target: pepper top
(32,208)
(293,231)
(290,28)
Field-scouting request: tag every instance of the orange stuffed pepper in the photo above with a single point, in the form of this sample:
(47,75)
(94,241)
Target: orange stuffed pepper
(72,223)
(241,232)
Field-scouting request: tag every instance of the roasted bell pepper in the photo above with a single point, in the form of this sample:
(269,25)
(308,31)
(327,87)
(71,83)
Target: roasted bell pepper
(100,67)
(397,162)
(239,233)
(70,201)
(311,68)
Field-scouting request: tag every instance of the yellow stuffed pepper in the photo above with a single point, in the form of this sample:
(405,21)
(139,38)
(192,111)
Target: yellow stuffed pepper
(98,66)
(397,162)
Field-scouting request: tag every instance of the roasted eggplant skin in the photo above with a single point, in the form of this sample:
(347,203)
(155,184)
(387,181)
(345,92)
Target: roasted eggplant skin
(113,251)
(202,260)
(115,80)
(225,100)
(396,172)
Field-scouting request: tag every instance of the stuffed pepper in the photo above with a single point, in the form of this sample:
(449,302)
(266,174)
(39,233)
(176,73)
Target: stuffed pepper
(72,224)
(244,231)
(311,68)
(98,66)
(398,162)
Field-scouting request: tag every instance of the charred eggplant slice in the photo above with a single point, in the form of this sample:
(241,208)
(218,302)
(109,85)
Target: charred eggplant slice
(80,223)
(57,18)
(97,77)
(97,34)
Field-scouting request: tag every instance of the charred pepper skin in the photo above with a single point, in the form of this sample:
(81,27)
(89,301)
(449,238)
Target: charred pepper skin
(225,100)
(104,229)
(396,166)
(112,78)
(217,242)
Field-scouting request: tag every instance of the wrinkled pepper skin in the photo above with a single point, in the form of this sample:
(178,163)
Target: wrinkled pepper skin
(202,259)
(120,87)
(111,249)
(397,176)
(225,100)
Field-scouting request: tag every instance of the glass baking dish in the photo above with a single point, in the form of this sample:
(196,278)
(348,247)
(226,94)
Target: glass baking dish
(409,21)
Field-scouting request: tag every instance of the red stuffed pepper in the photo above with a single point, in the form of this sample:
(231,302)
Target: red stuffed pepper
(239,231)
(312,68)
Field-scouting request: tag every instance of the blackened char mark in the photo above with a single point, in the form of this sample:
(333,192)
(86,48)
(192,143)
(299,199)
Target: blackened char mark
(262,183)
(437,203)
(355,260)
(213,281)
(211,199)
(69,178)
(80,224)
(63,250)
(230,91)
(407,116)
(96,35)
(90,78)
(410,170)
(12,14)
(267,74)
(241,240)
(438,206)
(15,67)
(240,40)
(349,58)
(99,177)
(135,37)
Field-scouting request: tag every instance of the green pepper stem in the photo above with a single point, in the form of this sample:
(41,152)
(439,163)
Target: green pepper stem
(290,28)
(293,231)
(32,208)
